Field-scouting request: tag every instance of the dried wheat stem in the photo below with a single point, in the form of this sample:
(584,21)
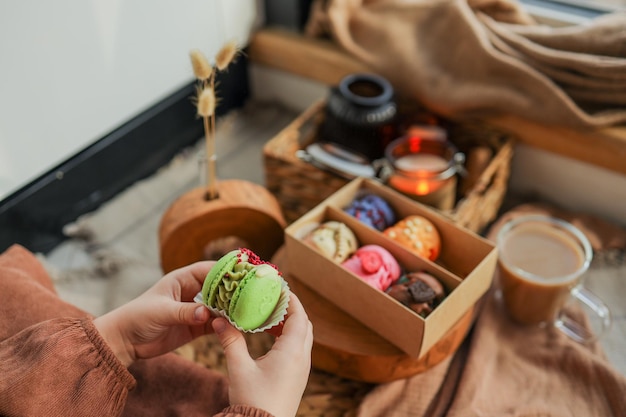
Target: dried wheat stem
(210,163)
(206,109)
(206,102)
(211,151)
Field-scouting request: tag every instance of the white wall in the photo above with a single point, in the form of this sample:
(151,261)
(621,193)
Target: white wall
(573,184)
(73,70)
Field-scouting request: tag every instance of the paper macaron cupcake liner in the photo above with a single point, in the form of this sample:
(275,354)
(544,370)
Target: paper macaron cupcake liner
(277,316)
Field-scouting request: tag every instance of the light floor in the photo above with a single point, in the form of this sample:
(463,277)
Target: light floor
(112,255)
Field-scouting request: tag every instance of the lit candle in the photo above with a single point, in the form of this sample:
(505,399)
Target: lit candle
(422,172)
(417,162)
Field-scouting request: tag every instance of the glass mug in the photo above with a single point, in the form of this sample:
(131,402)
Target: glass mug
(541,261)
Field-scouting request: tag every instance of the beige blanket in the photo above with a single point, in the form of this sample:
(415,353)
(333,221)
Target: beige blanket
(465,58)
(504,369)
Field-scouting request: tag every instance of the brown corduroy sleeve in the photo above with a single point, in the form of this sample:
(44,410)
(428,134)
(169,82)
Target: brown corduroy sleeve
(243,411)
(61,367)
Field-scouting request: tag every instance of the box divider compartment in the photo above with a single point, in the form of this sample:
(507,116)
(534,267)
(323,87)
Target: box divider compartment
(407,259)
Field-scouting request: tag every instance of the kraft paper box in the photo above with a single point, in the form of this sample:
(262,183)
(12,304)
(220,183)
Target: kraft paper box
(465,267)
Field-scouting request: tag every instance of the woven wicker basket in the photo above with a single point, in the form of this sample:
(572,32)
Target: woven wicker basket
(300,186)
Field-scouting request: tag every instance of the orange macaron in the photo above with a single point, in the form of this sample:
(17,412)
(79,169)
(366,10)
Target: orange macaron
(417,234)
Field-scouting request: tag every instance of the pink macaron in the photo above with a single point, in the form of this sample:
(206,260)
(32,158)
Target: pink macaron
(375,265)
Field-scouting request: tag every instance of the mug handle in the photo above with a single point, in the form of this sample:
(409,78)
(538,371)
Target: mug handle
(577,331)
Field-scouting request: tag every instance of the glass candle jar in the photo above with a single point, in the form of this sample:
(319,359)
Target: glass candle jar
(424,166)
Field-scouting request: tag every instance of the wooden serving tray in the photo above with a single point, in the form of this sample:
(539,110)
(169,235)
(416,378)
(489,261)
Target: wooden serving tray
(344,347)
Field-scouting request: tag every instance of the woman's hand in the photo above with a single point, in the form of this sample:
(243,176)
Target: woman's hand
(276,381)
(160,320)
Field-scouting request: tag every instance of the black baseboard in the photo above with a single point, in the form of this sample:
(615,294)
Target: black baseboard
(34,216)
(288,14)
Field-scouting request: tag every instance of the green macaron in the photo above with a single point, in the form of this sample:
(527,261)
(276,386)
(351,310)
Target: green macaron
(243,287)
(255,298)
(215,275)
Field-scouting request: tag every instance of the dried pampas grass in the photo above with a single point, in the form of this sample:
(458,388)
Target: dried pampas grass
(226,55)
(201,67)
(206,101)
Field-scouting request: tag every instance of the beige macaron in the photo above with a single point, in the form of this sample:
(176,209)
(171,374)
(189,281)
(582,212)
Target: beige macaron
(334,240)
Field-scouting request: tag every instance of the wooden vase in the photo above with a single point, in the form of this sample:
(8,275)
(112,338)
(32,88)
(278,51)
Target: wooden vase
(242,210)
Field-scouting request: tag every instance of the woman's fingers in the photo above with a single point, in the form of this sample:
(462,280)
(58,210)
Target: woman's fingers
(233,343)
(191,278)
(297,332)
(296,318)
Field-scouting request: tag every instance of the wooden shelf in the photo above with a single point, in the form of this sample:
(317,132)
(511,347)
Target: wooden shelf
(324,61)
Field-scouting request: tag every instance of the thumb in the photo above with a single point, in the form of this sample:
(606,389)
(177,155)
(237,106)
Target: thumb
(189,313)
(232,341)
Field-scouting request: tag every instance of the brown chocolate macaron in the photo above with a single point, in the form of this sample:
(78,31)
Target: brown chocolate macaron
(419,291)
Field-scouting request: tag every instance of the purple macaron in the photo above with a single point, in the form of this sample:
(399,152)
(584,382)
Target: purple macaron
(373,211)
